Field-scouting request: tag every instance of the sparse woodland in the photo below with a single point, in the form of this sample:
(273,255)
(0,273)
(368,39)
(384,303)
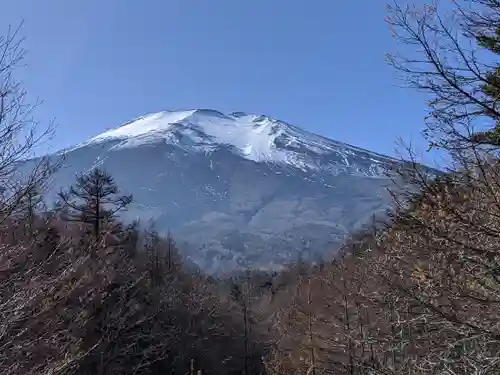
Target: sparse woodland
(83,293)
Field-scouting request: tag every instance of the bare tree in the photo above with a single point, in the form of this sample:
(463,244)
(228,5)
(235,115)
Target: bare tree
(21,136)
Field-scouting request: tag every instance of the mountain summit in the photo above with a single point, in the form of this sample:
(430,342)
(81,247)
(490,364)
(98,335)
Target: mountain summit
(256,138)
(237,190)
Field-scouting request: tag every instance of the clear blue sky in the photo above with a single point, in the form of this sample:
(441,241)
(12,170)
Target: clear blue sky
(316,64)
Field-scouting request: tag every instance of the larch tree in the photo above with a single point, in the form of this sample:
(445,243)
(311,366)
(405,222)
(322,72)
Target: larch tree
(94,200)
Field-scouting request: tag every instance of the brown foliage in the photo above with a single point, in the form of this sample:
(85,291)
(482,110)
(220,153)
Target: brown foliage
(420,296)
(66,309)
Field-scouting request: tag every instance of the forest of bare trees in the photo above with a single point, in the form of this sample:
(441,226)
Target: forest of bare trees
(419,293)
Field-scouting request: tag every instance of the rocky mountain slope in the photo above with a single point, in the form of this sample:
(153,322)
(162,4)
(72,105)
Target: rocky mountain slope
(237,190)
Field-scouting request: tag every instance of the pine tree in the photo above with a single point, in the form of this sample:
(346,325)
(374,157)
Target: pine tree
(94,200)
(481,24)
(455,60)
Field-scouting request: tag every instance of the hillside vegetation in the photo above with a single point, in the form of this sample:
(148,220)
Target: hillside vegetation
(82,293)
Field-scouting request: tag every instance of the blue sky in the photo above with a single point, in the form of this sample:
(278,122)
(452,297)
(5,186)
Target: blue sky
(316,64)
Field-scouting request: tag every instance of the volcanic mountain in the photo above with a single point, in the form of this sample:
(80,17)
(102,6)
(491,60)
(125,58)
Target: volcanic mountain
(237,190)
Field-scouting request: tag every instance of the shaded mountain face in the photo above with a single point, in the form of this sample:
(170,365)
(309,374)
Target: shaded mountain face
(237,191)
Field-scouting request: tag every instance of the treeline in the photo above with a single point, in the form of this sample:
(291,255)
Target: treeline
(82,293)
(418,296)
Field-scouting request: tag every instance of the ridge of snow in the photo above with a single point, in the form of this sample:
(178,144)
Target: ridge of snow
(256,138)
(160,121)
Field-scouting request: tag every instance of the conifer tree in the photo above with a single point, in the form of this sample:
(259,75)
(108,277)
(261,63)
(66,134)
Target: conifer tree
(455,61)
(484,28)
(94,200)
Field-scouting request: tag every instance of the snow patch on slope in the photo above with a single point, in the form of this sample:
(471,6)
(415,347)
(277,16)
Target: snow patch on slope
(256,138)
(203,128)
(149,123)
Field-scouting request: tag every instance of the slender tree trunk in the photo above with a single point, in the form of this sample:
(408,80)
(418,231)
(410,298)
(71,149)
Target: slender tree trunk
(347,326)
(245,318)
(97,227)
(310,328)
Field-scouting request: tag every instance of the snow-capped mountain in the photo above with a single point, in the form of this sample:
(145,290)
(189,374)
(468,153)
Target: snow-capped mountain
(255,138)
(237,190)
